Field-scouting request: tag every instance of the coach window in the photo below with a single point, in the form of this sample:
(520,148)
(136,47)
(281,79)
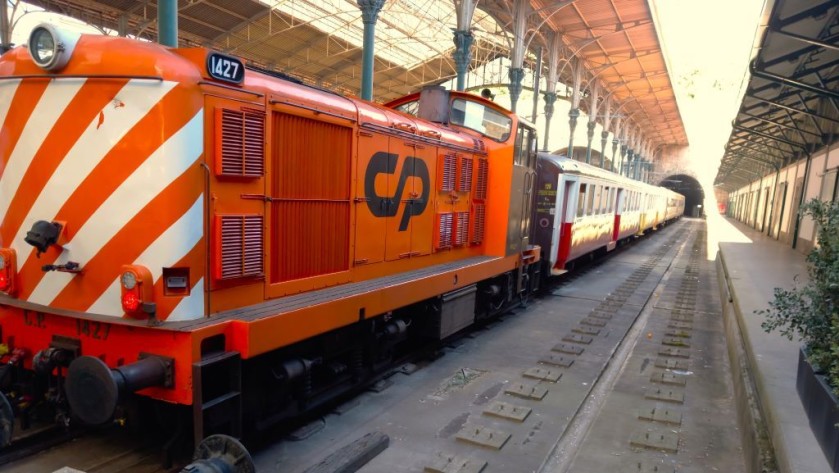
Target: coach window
(590,204)
(581,200)
(604,205)
(828,192)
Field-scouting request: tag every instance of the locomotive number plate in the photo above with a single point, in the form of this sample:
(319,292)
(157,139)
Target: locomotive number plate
(225,68)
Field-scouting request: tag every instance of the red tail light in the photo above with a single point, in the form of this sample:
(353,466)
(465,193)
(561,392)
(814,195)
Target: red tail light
(8,270)
(136,287)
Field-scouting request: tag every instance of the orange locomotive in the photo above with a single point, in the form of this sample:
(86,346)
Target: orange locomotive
(237,244)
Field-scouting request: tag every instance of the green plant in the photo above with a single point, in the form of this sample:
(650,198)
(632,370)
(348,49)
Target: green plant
(811,310)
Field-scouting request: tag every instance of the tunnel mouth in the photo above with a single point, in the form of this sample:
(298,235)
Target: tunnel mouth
(691,189)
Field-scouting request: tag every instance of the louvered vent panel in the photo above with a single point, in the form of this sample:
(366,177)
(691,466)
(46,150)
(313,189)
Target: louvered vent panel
(464,181)
(481,180)
(478,222)
(241,145)
(461,228)
(448,173)
(240,246)
(444,230)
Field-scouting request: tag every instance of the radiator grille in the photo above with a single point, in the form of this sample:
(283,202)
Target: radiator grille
(478,222)
(481,180)
(444,230)
(241,145)
(310,186)
(240,249)
(461,228)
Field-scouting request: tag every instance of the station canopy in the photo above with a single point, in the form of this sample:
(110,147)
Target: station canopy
(320,41)
(790,109)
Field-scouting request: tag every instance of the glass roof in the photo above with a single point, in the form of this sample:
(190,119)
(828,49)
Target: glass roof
(408,33)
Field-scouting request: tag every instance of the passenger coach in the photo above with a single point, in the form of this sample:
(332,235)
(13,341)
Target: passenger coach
(581,209)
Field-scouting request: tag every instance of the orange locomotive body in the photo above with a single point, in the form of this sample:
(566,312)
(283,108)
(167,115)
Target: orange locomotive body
(177,226)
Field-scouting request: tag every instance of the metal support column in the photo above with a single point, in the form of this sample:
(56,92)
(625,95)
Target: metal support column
(590,126)
(516,77)
(369,14)
(5,29)
(537,77)
(550,98)
(521,10)
(554,58)
(462,56)
(615,143)
(167,23)
(594,88)
(573,114)
(624,162)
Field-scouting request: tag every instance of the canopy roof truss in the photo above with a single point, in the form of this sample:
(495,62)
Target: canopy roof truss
(319,41)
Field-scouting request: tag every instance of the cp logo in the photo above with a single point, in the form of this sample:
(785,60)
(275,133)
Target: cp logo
(388,206)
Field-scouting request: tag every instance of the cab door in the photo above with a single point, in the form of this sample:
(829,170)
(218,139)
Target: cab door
(521,192)
(371,202)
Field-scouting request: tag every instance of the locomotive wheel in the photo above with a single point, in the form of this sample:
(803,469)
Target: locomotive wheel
(7,421)
(220,454)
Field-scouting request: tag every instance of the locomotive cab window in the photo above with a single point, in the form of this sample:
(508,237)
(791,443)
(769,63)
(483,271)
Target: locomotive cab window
(479,117)
(525,148)
(411,108)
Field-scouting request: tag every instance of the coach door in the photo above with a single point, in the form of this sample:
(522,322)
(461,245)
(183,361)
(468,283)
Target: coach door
(616,230)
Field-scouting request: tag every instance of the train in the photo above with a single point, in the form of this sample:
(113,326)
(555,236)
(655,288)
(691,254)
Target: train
(227,247)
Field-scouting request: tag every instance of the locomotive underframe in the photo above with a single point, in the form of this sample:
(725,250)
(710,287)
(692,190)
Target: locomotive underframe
(233,395)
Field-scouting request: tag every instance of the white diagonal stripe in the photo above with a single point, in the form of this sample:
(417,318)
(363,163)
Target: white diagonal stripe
(7,93)
(169,248)
(191,307)
(136,99)
(159,170)
(55,99)
(109,302)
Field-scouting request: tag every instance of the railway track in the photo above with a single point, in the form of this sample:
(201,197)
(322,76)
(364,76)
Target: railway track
(566,385)
(527,392)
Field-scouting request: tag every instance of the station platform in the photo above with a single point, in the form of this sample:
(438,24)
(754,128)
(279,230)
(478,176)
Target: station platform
(750,266)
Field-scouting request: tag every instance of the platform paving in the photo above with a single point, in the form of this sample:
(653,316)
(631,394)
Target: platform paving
(755,264)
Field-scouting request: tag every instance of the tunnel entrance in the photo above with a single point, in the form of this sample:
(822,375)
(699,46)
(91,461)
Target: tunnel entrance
(691,189)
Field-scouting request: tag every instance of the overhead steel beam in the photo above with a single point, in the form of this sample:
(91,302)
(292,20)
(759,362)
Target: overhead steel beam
(793,109)
(818,10)
(802,38)
(738,146)
(770,137)
(790,82)
(782,125)
(752,158)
